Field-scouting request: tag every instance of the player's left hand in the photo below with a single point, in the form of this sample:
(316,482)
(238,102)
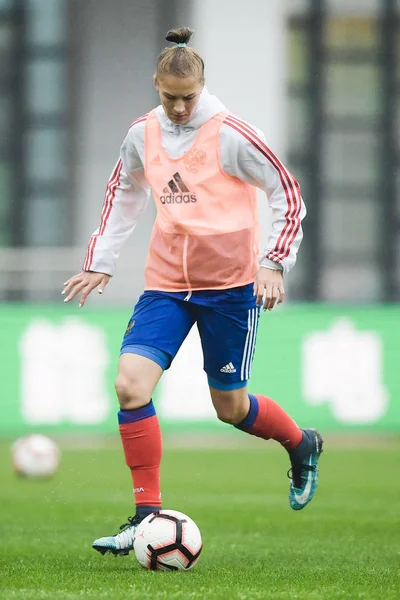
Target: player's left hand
(268,287)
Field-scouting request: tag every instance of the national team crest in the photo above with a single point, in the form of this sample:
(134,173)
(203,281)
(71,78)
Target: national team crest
(130,325)
(194,160)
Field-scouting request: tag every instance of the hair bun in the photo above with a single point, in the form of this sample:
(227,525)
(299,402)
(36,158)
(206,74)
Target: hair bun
(179,36)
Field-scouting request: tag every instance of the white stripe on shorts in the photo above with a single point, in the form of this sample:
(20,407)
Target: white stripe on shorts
(253,343)
(249,344)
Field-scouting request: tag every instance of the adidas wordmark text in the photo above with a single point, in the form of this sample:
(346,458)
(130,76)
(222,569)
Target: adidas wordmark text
(177,192)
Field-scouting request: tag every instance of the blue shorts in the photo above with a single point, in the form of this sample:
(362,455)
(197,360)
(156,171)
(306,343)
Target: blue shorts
(227,321)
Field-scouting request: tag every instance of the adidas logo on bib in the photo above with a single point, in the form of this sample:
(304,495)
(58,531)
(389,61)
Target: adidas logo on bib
(177,192)
(229,368)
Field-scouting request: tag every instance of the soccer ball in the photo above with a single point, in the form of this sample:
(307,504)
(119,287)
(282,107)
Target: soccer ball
(167,540)
(35,456)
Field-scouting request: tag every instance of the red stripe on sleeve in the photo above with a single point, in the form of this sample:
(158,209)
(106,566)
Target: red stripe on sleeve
(289,184)
(105,213)
(107,205)
(139,120)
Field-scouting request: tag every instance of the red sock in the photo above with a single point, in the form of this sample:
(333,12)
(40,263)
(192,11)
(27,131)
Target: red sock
(141,439)
(268,420)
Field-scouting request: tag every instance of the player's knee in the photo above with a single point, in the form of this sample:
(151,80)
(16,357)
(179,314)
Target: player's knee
(230,414)
(231,406)
(131,392)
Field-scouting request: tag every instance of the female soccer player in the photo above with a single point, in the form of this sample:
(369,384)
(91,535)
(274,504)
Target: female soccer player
(203,165)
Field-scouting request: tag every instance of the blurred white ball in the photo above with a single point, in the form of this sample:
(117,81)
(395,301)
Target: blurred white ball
(35,455)
(167,540)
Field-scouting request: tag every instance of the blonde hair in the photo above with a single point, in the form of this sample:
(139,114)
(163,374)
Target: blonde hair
(180,61)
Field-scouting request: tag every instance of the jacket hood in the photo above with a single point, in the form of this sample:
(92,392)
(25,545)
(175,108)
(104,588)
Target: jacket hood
(207,108)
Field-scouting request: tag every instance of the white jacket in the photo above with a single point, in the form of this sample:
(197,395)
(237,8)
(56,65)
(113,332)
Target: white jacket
(243,154)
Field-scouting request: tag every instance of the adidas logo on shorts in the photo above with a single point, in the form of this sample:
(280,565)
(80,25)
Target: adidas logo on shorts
(229,368)
(177,192)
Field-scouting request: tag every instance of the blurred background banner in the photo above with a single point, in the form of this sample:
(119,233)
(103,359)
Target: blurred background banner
(334,368)
(322,80)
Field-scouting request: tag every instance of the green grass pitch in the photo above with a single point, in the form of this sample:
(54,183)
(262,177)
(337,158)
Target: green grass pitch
(345,544)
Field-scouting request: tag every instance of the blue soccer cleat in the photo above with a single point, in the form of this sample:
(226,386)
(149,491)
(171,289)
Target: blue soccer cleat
(121,543)
(304,472)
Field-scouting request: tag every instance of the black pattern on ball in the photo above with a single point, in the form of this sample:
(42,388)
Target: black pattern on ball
(156,553)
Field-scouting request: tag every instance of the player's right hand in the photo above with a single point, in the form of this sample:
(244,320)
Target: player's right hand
(84,282)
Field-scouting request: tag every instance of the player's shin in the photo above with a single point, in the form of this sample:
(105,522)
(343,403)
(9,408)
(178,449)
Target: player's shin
(141,440)
(267,420)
